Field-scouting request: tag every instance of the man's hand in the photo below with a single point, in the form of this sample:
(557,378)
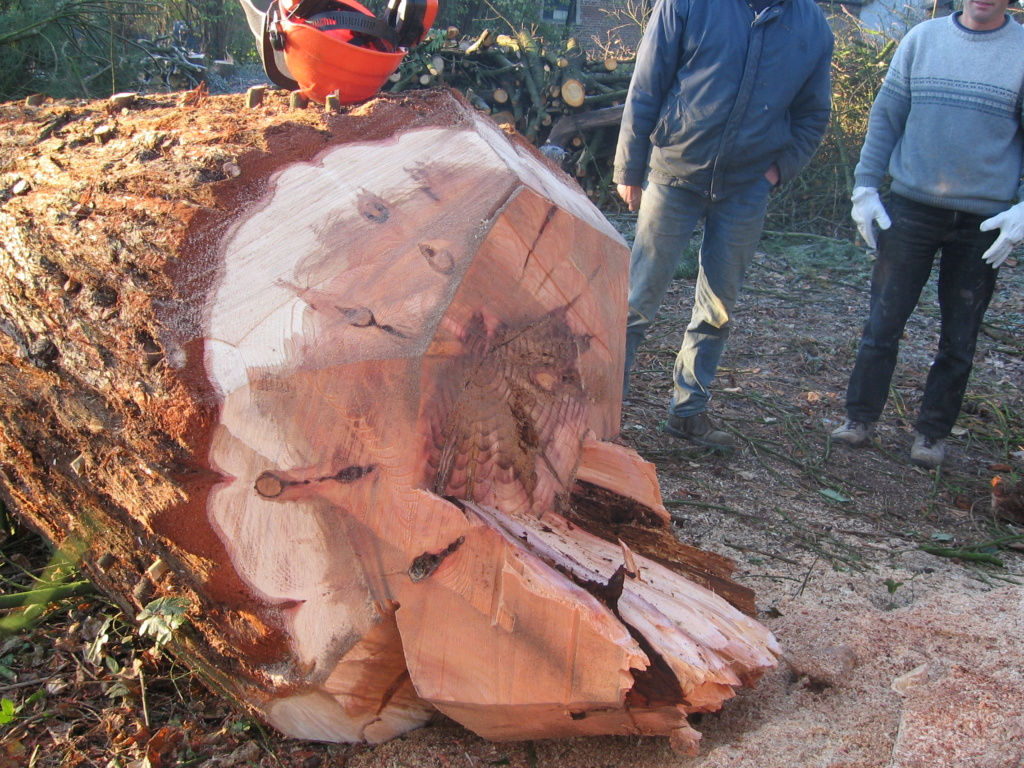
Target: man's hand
(1010,224)
(868,209)
(630,195)
(773,175)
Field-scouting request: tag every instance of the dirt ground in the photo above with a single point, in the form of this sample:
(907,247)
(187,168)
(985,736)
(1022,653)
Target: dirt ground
(895,592)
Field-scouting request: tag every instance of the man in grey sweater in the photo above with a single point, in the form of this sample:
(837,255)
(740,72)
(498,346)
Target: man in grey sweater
(947,128)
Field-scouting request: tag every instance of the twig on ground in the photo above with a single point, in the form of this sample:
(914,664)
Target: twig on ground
(807,576)
(774,556)
(962,554)
(812,541)
(705,505)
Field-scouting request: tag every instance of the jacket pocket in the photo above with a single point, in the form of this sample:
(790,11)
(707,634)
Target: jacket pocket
(670,124)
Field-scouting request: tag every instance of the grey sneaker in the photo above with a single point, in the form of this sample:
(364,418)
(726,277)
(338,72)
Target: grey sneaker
(927,452)
(699,430)
(852,432)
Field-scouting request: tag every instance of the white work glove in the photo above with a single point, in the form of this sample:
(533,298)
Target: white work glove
(1011,232)
(867,209)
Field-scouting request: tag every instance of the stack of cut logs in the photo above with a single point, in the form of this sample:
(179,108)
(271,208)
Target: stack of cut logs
(524,82)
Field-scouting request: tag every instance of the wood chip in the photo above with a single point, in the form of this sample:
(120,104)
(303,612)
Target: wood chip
(103,134)
(120,101)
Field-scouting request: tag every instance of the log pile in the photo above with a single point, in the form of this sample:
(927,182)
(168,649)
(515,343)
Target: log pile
(531,85)
(348,386)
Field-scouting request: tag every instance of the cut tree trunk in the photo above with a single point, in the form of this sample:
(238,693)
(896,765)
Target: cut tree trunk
(351,382)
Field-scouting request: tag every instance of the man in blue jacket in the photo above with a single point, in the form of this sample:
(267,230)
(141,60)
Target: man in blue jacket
(729,99)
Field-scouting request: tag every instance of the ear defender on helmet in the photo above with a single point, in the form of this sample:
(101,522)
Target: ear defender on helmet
(321,47)
(411,20)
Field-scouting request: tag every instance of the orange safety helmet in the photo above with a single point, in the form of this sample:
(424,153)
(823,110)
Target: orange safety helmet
(320,47)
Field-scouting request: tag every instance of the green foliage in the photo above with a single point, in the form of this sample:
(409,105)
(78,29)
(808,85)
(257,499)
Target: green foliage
(218,27)
(814,256)
(688,267)
(66,48)
(8,711)
(162,617)
(892,585)
(46,593)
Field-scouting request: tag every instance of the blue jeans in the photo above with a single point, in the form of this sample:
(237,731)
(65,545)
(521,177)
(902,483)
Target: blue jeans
(732,228)
(906,252)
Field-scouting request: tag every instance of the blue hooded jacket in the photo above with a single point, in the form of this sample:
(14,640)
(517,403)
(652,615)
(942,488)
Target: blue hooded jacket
(719,94)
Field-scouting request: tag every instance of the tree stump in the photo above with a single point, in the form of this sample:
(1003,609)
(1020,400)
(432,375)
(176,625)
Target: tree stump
(354,380)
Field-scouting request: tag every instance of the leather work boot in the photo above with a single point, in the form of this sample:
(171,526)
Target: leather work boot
(927,452)
(853,433)
(699,430)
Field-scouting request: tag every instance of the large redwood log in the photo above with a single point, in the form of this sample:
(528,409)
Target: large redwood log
(350,381)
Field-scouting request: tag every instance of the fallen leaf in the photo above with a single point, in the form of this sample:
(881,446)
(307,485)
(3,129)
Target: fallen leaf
(14,748)
(828,493)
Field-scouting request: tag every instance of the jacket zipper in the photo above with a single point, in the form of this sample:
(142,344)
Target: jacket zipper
(743,95)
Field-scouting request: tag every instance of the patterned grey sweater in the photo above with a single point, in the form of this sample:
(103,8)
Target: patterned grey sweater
(947,122)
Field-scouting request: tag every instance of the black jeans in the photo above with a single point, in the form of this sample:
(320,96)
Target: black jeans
(906,252)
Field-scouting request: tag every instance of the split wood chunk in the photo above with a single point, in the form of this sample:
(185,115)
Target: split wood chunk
(367,430)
